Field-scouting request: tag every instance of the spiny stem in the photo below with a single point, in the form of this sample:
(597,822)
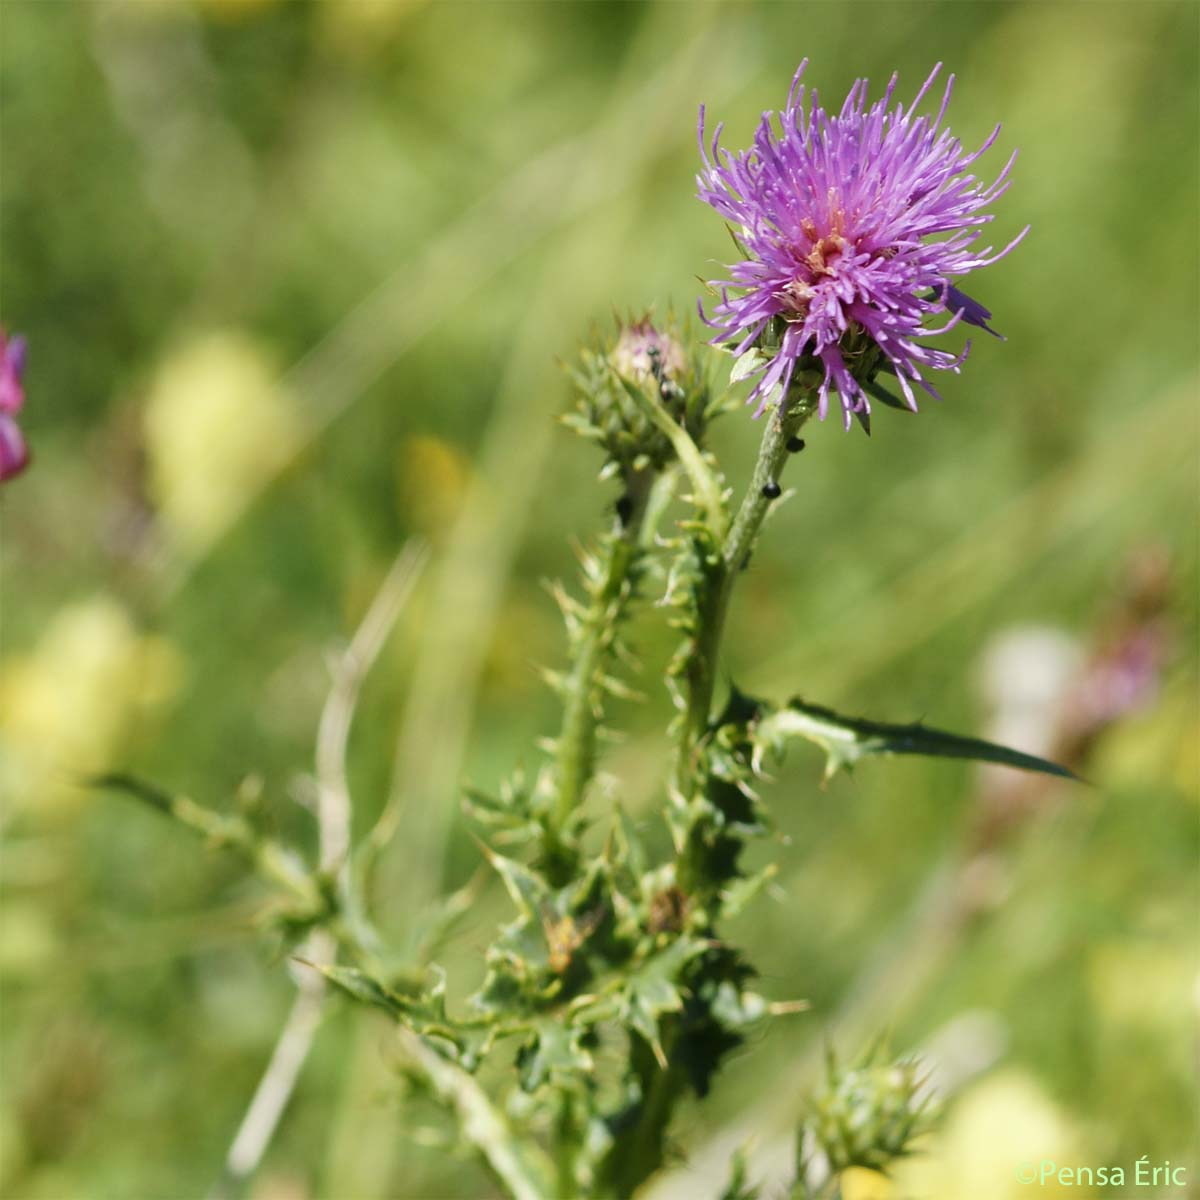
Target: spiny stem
(782,426)
(575,753)
(721,574)
(640,1154)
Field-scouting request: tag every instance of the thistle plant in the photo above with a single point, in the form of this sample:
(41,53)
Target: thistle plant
(614,986)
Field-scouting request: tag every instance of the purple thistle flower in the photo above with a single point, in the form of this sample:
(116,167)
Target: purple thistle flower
(835,215)
(14,454)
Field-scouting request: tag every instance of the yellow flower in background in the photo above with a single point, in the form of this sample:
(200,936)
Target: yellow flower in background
(361,25)
(860,1184)
(1161,743)
(1001,1125)
(1143,986)
(217,428)
(431,477)
(29,941)
(66,705)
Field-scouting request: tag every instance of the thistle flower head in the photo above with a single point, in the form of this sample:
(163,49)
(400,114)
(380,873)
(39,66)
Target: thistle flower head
(853,226)
(14,454)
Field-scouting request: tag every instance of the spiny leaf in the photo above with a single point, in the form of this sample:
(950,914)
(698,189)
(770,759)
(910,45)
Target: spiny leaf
(505,986)
(554,1054)
(654,989)
(845,740)
(736,895)
(627,842)
(528,890)
(359,986)
(420,1007)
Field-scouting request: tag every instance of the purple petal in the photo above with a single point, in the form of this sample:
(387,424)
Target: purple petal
(12,363)
(15,354)
(14,454)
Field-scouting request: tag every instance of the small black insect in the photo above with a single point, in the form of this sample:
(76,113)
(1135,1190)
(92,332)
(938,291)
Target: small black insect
(795,444)
(624,509)
(772,490)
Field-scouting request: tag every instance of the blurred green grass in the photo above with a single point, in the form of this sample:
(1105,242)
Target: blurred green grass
(393,218)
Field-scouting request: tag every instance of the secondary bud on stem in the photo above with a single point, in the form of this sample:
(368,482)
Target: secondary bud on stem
(642,351)
(650,358)
(869,1115)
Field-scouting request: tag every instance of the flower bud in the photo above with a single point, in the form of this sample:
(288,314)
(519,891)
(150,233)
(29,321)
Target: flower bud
(645,357)
(869,1115)
(642,352)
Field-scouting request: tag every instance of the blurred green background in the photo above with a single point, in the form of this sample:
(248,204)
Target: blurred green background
(295,278)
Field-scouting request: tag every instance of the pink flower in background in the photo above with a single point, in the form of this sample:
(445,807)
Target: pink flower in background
(14,454)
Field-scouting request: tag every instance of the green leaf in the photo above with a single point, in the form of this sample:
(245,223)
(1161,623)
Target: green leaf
(419,1006)
(626,849)
(747,364)
(505,986)
(361,987)
(653,990)
(554,1054)
(528,890)
(846,740)
(737,894)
